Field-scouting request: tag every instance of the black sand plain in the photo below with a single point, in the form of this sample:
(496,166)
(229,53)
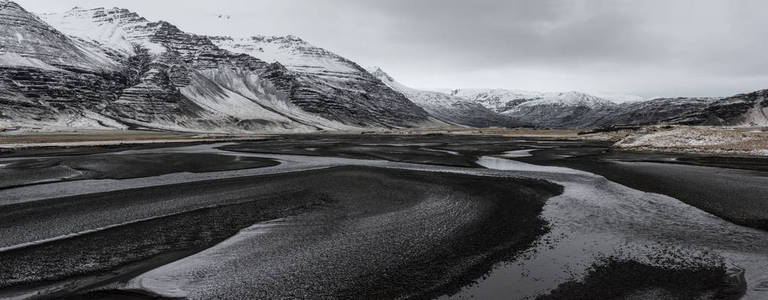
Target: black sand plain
(510,223)
(160,224)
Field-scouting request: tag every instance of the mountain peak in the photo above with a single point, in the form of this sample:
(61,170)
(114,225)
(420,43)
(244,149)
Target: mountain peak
(26,35)
(99,15)
(8,3)
(9,7)
(379,73)
(294,53)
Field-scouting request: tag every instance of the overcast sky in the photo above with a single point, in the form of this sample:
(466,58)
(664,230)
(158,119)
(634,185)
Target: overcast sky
(647,48)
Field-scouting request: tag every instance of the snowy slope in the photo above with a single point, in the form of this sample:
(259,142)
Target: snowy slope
(114,28)
(24,34)
(503,100)
(293,53)
(567,99)
(322,81)
(48,79)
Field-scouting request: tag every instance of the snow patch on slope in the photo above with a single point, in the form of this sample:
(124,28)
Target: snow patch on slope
(260,92)
(290,51)
(503,100)
(16,60)
(213,97)
(63,121)
(569,99)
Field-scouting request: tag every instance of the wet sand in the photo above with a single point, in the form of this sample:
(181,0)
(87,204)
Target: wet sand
(317,226)
(461,151)
(29,171)
(501,218)
(727,187)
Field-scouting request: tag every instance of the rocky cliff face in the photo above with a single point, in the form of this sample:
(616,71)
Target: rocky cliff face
(447,108)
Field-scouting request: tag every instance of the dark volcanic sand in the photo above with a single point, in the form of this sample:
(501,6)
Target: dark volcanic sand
(380,233)
(615,278)
(734,194)
(118,166)
(85,150)
(501,217)
(434,149)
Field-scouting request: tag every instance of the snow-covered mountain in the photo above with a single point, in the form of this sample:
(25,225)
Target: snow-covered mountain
(294,53)
(82,64)
(504,100)
(580,110)
(447,108)
(557,110)
(497,100)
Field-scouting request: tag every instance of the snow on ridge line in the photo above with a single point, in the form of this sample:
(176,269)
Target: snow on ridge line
(115,28)
(290,51)
(496,98)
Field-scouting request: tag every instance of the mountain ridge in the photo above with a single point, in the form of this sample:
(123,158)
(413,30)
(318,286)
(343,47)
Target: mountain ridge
(450,109)
(111,68)
(191,84)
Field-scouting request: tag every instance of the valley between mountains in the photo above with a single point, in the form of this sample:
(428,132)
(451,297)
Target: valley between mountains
(139,160)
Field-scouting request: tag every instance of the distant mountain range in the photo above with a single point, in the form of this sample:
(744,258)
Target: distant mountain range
(449,108)
(579,110)
(113,69)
